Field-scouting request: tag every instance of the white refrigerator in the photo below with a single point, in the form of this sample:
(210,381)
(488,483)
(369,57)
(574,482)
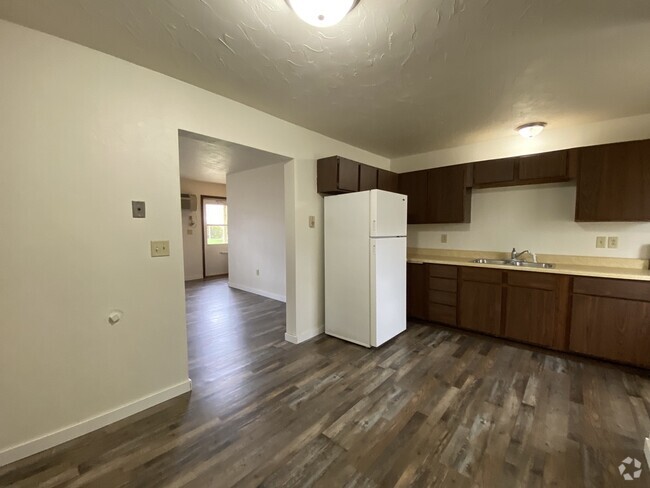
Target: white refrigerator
(365,266)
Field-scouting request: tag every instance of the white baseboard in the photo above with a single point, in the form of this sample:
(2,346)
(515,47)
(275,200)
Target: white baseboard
(52,439)
(304,336)
(646,450)
(264,293)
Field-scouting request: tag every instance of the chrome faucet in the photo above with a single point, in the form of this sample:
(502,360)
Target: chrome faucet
(514,255)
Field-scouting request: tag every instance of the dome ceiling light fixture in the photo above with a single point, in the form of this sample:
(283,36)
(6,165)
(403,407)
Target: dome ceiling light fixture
(531,130)
(322,13)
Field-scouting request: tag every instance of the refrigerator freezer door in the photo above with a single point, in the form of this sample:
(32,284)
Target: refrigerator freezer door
(387,289)
(387,214)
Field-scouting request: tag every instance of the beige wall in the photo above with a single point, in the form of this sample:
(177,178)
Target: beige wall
(193,243)
(541,217)
(305,252)
(82,134)
(256,248)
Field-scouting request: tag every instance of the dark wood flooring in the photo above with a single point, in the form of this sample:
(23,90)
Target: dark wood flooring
(434,407)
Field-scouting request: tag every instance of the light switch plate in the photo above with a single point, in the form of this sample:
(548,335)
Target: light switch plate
(139,209)
(601,242)
(612,242)
(159,249)
(443,238)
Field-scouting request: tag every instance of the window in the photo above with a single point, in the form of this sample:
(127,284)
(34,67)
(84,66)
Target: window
(216,223)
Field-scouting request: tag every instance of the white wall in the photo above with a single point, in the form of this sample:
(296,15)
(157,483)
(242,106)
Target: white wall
(256,231)
(305,252)
(537,217)
(82,134)
(540,217)
(193,243)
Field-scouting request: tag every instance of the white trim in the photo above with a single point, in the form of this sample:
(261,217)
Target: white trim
(646,450)
(264,293)
(55,438)
(305,336)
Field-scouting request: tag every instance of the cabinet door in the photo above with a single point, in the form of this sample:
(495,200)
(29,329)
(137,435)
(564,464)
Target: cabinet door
(415,186)
(450,200)
(611,328)
(531,316)
(495,173)
(348,175)
(387,180)
(614,183)
(544,168)
(480,307)
(367,178)
(416,290)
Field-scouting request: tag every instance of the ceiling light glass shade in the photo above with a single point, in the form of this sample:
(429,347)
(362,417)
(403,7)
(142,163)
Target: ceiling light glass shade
(531,130)
(322,13)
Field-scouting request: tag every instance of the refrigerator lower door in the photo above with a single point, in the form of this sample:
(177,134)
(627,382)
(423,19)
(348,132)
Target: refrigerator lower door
(387,289)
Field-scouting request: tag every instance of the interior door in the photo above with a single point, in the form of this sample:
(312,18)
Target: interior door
(215,236)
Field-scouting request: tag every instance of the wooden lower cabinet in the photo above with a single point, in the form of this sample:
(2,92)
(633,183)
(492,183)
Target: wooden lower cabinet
(417,278)
(480,307)
(611,328)
(599,317)
(536,309)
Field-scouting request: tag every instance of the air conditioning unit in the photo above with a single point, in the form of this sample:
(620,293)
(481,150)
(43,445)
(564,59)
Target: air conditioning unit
(188,202)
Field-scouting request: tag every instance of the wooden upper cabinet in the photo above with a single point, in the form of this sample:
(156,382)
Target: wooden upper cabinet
(367,178)
(450,194)
(547,167)
(387,180)
(526,170)
(337,175)
(415,185)
(614,183)
(500,172)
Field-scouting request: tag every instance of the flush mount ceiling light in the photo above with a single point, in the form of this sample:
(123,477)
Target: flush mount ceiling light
(531,130)
(322,13)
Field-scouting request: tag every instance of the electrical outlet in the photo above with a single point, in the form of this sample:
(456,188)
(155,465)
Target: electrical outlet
(190,232)
(601,242)
(443,238)
(312,221)
(159,249)
(612,242)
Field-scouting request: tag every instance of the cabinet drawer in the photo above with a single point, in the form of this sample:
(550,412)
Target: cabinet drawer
(603,287)
(443,271)
(481,275)
(442,297)
(532,280)
(442,313)
(442,284)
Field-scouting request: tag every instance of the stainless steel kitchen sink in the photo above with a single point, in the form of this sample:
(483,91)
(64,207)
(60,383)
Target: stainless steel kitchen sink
(512,262)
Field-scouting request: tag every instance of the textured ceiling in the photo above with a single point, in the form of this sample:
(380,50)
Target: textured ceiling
(205,159)
(396,77)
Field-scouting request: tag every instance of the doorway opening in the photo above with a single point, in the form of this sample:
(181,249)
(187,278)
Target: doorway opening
(214,215)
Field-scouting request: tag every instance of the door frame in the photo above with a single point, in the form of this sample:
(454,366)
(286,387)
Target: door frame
(203,197)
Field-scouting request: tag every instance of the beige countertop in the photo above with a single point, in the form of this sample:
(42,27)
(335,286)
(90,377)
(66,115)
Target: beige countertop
(616,268)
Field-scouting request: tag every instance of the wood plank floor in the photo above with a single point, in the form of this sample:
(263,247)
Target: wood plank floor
(434,407)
